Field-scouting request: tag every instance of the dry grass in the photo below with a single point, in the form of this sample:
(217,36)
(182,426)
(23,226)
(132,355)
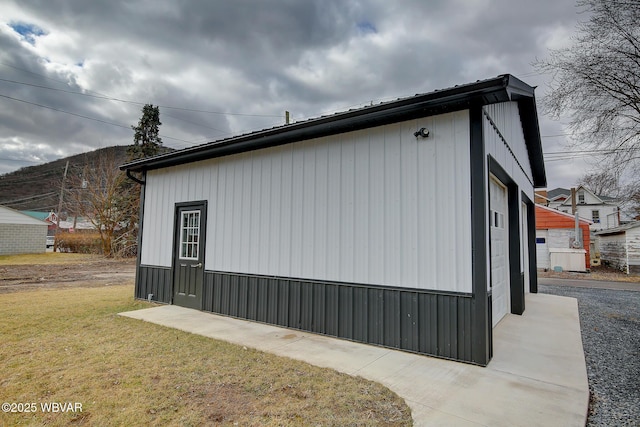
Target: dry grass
(602,273)
(47,258)
(68,345)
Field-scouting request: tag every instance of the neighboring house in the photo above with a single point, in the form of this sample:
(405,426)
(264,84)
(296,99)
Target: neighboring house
(602,211)
(73,224)
(70,225)
(620,247)
(555,233)
(20,233)
(408,224)
(49,217)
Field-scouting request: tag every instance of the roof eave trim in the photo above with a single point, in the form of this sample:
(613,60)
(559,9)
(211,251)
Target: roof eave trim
(500,89)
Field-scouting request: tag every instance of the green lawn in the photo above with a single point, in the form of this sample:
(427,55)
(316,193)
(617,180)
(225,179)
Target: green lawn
(68,345)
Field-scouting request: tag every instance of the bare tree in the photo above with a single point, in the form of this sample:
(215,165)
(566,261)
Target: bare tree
(597,82)
(95,192)
(602,183)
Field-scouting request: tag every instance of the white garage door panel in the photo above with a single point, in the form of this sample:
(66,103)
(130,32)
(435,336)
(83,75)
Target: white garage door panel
(499,250)
(525,247)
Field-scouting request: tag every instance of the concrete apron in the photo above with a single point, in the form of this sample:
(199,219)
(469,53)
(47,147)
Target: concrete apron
(537,377)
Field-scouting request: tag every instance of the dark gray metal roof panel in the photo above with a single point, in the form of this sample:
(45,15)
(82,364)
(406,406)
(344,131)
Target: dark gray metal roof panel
(483,92)
(557,192)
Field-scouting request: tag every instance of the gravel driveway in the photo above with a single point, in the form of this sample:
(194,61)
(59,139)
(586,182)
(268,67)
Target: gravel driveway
(610,323)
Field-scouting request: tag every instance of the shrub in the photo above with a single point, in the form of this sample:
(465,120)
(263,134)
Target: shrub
(80,242)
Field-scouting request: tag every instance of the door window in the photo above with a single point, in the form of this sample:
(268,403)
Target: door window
(190,235)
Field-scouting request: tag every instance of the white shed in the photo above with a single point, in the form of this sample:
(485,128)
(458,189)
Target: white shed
(620,247)
(408,224)
(20,233)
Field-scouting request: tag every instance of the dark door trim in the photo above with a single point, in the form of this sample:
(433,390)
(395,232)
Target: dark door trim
(195,266)
(516,279)
(481,331)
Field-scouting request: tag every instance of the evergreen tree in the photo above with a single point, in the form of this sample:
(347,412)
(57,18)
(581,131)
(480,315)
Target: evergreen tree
(146,138)
(146,143)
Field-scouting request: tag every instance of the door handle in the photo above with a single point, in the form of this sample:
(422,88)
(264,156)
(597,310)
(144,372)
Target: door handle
(198,265)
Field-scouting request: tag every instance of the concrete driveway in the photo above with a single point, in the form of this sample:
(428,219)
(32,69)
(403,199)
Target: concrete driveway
(536,378)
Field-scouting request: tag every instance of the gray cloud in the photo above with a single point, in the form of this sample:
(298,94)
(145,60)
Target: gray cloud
(257,58)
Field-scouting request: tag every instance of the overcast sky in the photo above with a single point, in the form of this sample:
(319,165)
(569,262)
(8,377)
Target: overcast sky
(219,68)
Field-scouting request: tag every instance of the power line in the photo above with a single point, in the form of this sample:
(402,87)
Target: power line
(110,98)
(18,160)
(30,198)
(83,116)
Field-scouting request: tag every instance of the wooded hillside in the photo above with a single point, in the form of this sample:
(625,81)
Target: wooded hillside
(37,188)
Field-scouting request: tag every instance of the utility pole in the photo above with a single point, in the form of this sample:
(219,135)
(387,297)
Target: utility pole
(286,117)
(64,178)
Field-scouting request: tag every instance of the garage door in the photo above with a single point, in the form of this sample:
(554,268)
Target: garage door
(542,248)
(499,250)
(524,233)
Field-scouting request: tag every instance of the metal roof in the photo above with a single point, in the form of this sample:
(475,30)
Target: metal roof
(563,214)
(551,194)
(618,229)
(11,216)
(483,92)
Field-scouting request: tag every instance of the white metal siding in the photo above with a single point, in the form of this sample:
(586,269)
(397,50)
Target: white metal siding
(512,154)
(377,206)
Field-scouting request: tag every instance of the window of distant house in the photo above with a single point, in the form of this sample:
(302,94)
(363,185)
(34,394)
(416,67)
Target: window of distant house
(581,197)
(595,216)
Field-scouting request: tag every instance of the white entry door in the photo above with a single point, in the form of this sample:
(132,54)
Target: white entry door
(499,250)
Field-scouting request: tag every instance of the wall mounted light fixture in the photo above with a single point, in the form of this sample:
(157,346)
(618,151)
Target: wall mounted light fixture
(423,132)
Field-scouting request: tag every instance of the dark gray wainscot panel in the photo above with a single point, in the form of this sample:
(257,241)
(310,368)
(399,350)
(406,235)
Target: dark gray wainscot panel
(413,320)
(427,322)
(155,281)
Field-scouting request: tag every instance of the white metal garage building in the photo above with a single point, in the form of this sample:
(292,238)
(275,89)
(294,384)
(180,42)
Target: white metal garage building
(409,224)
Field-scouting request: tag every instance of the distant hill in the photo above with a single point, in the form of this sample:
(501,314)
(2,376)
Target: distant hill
(37,188)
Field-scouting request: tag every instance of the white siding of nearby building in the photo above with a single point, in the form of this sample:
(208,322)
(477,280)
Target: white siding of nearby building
(633,250)
(608,215)
(622,250)
(20,233)
(542,249)
(561,237)
(555,238)
(377,206)
(613,251)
